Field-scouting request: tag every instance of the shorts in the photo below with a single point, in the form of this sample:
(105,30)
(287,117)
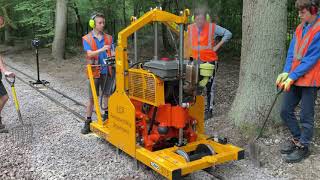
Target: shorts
(106,83)
(3,90)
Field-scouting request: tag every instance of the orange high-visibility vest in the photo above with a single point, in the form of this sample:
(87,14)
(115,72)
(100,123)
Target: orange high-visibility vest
(93,45)
(202,46)
(312,77)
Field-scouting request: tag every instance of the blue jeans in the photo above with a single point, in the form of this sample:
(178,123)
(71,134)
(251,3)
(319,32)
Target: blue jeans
(211,87)
(307,96)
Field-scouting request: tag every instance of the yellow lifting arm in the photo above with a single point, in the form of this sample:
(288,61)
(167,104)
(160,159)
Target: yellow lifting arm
(174,27)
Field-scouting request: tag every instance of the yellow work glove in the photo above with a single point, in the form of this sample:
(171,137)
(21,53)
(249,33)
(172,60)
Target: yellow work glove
(286,84)
(281,78)
(204,82)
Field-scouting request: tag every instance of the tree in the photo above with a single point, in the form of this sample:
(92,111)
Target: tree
(124,13)
(34,19)
(58,45)
(264,25)
(7,12)
(166,43)
(79,23)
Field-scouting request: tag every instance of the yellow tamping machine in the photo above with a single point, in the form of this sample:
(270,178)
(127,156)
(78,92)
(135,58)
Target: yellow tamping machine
(156,114)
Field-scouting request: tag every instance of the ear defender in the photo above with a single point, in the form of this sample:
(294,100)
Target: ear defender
(92,22)
(208,18)
(192,18)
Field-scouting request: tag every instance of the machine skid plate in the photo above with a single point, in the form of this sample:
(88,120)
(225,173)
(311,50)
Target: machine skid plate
(171,165)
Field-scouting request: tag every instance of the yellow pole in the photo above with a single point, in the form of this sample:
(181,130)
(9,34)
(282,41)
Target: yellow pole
(16,103)
(94,94)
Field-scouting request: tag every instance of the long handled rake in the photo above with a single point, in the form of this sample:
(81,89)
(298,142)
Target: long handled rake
(22,134)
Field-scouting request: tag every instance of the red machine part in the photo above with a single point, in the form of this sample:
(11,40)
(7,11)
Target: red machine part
(166,125)
(172,116)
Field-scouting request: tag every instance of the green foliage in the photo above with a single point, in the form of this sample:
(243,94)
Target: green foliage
(37,16)
(34,18)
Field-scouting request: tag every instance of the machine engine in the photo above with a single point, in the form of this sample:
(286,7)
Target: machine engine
(158,126)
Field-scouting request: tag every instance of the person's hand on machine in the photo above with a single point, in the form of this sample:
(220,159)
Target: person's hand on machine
(113,53)
(105,48)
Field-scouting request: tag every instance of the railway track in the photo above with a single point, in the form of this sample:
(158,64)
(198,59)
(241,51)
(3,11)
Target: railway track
(49,87)
(52,98)
(80,118)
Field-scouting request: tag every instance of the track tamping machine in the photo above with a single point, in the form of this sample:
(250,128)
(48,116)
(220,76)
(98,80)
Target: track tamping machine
(156,113)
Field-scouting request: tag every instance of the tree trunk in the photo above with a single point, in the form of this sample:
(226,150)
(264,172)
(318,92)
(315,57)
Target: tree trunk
(8,28)
(124,13)
(79,24)
(166,44)
(7,36)
(136,8)
(1,36)
(263,51)
(58,45)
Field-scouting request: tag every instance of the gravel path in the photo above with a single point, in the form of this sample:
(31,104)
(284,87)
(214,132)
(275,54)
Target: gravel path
(59,151)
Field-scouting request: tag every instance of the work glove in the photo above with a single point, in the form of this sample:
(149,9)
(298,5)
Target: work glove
(206,70)
(281,78)
(286,84)
(204,82)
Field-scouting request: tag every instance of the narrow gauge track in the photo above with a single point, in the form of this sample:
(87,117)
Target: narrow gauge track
(57,102)
(80,117)
(49,87)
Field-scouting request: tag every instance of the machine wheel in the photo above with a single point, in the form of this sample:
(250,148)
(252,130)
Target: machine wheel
(183,154)
(205,149)
(201,151)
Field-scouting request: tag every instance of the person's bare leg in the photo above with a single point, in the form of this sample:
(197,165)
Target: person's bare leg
(105,102)
(86,127)
(90,107)
(3,101)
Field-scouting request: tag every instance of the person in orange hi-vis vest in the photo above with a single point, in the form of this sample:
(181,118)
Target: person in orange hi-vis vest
(300,81)
(97,46)
(202,34)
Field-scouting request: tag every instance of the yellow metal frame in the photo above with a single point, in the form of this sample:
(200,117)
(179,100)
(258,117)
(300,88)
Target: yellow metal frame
(172,166)
(120,128)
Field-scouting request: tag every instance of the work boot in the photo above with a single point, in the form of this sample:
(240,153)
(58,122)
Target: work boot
(86,127)
(288,146)
(208,114)
(300,153)
(105,116)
